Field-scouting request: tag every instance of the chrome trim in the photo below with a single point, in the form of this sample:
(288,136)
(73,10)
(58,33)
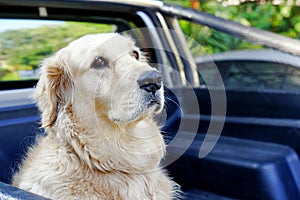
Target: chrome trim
(173,47)
(187,53)
(157,44)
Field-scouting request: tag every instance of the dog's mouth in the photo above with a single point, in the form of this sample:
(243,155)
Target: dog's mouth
(155,101)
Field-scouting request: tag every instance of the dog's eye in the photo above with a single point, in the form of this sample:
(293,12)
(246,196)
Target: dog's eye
(99,63)
(135,54)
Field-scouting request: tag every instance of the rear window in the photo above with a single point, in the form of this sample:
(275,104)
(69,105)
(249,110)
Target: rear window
(241,64)
(25,43)
(253,75)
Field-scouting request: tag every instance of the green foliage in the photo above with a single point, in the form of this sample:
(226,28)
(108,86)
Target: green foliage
(281,19)
(203,40)
(24,49)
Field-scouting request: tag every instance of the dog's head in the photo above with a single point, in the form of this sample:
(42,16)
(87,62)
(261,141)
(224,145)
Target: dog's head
(105,71)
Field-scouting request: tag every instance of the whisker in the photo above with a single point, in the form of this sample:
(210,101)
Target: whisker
(177,104)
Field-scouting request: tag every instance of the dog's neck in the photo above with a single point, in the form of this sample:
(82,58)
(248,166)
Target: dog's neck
(135,148)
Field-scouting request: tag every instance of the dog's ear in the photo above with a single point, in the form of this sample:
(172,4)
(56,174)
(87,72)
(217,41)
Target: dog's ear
(54,89)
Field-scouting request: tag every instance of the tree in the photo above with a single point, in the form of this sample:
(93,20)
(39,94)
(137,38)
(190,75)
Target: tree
(282,19)
(24,49)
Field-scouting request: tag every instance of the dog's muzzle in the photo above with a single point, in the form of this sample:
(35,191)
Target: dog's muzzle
(151,82)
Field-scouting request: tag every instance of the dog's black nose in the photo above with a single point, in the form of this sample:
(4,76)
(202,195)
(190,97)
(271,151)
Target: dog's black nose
(150,81)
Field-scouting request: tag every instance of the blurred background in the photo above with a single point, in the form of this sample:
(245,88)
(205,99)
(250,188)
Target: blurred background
(24,43)
(279,16)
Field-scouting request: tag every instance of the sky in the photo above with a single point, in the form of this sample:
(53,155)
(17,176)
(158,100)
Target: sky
(12,24)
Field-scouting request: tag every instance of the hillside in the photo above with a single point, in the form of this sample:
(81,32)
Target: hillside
(22,50)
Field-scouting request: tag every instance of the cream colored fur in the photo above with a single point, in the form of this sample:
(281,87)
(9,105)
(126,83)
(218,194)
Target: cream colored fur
(101,141)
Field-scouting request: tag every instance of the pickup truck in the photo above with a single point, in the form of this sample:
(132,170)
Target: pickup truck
(232,119)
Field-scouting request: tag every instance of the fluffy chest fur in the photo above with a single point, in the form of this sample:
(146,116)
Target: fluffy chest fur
(121,167)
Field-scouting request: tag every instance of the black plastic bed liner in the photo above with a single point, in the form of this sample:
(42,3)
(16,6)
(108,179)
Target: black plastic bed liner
(239,168)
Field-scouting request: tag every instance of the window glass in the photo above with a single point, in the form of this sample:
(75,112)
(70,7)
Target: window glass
(252,75)
(203,40)
(241,64)
(24,43)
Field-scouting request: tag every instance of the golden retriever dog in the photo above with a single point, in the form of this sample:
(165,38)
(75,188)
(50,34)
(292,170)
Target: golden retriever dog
(97,98)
